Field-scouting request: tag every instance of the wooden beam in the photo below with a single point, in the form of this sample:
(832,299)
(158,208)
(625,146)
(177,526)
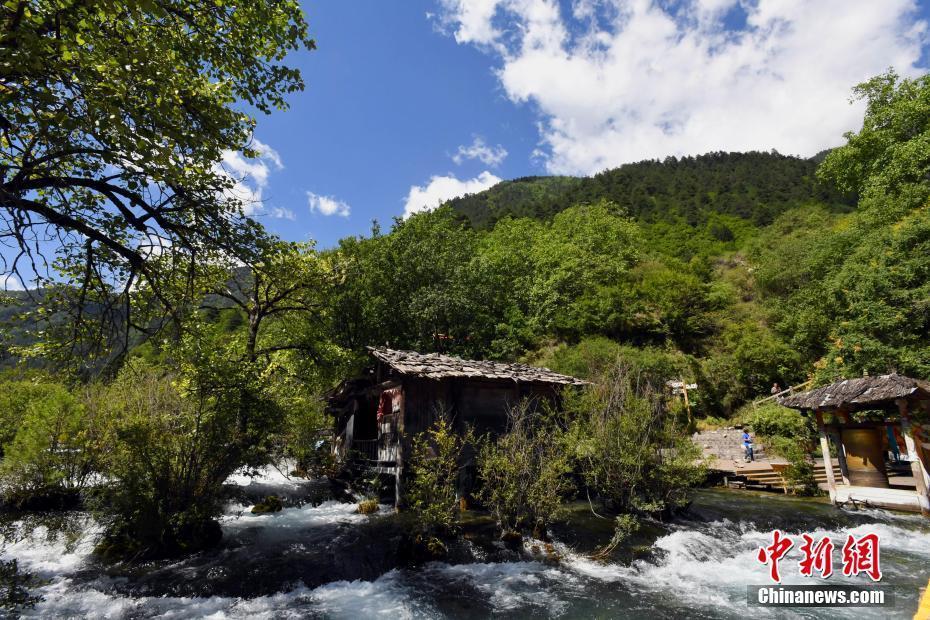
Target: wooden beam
(827,459)
(840,453)
(916,457)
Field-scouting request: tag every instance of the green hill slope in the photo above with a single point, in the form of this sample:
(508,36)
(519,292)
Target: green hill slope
(755,186)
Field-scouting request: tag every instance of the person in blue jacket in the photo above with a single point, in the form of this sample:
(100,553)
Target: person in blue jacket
(747,445)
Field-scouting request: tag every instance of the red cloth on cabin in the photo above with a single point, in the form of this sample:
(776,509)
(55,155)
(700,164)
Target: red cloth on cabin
(389,402)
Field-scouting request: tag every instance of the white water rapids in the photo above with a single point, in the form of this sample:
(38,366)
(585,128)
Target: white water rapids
(697,568)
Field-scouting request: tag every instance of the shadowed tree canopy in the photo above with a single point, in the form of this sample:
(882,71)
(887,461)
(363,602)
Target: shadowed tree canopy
(114,117)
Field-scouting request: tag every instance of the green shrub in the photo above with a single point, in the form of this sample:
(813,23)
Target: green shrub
(57,448)
(435,465)
(772,420)
(597,355)
(625,526)
(15,399)
(630,452)
(178,436)
(523,473)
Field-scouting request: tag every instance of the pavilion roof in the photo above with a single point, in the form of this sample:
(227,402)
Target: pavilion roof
(861,393)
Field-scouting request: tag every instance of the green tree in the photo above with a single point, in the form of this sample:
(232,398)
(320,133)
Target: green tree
(178,436)
(889,156)
(791,435)
(585,250)
(407,288)
(633,455)
(114,117)
(850,293)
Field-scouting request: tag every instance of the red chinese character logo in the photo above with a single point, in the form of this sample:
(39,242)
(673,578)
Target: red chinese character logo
(817,557)
(774,552)
(861,556)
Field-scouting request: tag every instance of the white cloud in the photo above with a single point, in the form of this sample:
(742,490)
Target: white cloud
(250,177)
(267,153)
(281,213)
(10,282)
(442,188)
(488,155)
(622,80)
(327,205)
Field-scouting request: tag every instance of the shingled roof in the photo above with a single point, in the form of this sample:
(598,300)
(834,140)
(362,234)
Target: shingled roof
(860,393)
(438,366)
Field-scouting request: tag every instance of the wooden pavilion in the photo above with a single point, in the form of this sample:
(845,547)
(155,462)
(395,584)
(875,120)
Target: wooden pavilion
(879,427)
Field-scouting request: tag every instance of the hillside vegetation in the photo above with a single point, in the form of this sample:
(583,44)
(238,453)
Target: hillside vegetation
(754,186)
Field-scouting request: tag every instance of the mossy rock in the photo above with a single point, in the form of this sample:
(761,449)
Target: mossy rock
(189,536)
(270,504)
(367,507)
(512,539)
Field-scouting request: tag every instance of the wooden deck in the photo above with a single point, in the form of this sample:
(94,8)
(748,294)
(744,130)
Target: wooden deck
(895,499)
(769,473)
(901,495)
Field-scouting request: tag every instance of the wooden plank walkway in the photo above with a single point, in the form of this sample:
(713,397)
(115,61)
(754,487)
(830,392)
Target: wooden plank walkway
(897,499)
(770,473)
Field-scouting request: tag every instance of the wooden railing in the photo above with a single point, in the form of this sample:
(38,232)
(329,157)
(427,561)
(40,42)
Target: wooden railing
(789,391)
(364,449)
(374,450)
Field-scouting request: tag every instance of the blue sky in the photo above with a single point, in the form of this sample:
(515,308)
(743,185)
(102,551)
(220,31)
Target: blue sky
(411,102)
(388,102)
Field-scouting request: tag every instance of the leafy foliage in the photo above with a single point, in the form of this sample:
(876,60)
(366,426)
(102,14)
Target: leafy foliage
(849,293)
(178,437)
(114,117)
(54,444)
(435,465)
(524,473)
(631,453)
(791,435)
(751,186)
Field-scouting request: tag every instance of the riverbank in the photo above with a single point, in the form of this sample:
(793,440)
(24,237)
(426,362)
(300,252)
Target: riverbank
(322,559)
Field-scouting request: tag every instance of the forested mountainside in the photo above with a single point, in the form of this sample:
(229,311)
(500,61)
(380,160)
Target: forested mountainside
(755,186)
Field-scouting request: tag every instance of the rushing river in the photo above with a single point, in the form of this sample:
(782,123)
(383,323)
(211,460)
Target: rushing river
(288,565)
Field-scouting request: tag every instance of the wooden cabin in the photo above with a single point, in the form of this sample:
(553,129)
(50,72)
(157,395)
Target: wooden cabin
(879,428)
(404,392)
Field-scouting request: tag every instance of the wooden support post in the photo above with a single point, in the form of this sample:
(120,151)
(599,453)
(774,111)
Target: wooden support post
(398,486)
(827,459)
(399,421)
(684,390)
(915,455)
(840,455)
